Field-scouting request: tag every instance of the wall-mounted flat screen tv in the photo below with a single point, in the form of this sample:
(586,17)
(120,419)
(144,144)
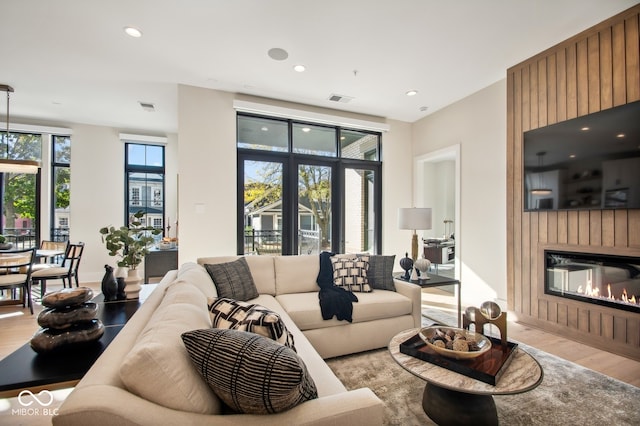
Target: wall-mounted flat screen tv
(589,162)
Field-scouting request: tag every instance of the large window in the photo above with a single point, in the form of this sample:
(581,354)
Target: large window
(305,187)
(60,189)
(19,192)
(145,186)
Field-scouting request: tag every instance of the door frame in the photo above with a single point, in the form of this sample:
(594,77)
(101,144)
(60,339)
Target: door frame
(449,153)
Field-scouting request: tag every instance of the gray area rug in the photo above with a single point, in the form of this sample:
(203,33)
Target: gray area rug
(568,395)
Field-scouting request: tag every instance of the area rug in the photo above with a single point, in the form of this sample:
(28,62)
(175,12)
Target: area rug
(568,395)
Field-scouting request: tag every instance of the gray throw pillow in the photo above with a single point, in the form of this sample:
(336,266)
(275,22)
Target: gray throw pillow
(250,373)
(233,279)
(380,273)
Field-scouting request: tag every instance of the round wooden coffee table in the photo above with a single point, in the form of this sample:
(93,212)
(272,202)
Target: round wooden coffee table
(455,399)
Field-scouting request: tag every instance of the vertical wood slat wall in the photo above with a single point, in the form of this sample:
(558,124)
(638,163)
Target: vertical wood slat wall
(593,71)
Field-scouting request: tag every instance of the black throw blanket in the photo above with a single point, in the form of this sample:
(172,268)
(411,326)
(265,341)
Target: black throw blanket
(333,300)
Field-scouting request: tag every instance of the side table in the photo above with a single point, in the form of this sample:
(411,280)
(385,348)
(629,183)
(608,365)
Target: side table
(24,369)
(439,281)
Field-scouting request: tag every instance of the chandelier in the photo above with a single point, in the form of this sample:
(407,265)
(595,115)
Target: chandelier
(8,165)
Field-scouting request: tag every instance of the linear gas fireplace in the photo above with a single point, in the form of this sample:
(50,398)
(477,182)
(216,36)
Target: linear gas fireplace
(607,280)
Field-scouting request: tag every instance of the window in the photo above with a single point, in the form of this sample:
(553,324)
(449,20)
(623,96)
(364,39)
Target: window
(305,187)
(60,188)
(144,178)
(18,195)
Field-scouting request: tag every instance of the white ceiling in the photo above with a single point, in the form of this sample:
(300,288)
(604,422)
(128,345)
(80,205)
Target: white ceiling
(69,61)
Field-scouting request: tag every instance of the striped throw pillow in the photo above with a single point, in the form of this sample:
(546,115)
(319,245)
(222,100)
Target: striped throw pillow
(250,373)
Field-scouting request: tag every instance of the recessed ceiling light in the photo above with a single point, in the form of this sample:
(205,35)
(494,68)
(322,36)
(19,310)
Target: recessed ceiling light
(299,68)
(411,93)
(133,32)
(278,54)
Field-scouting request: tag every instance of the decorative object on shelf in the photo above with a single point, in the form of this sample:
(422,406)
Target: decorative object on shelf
(68,318)
(422,265)
(4,245)
(414,219)
(109,284)
(406,263)
(120,294)
(132,284)
(489,313)
(14,165)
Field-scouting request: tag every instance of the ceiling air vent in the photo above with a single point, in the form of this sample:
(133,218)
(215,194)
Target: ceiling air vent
(149,107)
(340,98)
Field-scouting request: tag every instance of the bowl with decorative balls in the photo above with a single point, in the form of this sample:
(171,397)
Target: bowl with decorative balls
(456,343)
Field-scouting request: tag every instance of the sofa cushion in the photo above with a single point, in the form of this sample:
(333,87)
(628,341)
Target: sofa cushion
(233,279)
(380,273)
(243,316)
(296,274)
(350,273)
(261,267)
(198,276)
(304,308)
(250,373)
(158,367)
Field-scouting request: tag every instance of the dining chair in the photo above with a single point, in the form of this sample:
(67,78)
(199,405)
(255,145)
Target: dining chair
(15,273)
(67,270)
(53,245)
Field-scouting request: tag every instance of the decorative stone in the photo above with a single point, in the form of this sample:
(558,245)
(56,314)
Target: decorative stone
(67,297)
(61,318)
(48,339)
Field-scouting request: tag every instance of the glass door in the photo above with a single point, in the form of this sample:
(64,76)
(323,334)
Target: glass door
(314,208)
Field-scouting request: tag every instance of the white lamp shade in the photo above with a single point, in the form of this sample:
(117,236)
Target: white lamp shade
(414,218)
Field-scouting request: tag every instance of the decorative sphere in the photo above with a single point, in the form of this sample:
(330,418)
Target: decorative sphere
(422,264)
(406,263)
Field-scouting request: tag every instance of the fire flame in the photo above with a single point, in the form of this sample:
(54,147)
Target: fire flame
(595,292)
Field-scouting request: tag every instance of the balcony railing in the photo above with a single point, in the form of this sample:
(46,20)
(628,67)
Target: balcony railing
(269,242)
(26,237)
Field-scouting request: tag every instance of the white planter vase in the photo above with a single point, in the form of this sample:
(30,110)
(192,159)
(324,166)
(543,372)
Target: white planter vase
(132,281)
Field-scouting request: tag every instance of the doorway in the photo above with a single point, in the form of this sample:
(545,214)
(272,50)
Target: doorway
(437,185)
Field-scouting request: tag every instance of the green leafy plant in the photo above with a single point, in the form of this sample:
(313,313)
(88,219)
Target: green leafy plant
(3,239)
(130,243)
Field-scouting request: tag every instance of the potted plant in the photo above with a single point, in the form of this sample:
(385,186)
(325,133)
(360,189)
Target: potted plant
(130,243)
(4,245)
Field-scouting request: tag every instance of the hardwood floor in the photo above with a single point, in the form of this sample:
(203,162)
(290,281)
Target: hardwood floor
(17,326)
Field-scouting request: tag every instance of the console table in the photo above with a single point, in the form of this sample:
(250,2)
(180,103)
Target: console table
(158,262)
(25,369)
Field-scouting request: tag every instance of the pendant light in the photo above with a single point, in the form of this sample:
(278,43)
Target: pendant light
(8,165)
(540,189)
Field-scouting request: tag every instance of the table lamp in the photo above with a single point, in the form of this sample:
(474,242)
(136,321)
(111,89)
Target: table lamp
(414,218)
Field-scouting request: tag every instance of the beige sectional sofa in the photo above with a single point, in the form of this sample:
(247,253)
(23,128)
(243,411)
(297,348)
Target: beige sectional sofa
(146,376)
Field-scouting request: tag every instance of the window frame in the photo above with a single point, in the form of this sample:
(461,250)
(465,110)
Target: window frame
(290,161)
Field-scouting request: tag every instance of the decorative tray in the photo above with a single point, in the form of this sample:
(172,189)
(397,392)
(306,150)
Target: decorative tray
(487,368)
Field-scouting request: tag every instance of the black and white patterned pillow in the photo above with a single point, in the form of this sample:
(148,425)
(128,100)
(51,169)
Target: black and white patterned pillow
(250,373)
(251,317)
(233,279)
(350,273)
(380,273)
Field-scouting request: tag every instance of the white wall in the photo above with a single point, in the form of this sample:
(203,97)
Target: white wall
(97,190)
(478,124)
(207,194)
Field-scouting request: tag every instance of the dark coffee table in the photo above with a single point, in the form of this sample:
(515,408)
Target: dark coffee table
(24,369)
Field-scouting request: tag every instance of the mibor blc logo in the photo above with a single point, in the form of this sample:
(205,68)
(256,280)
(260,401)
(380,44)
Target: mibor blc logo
(35,404)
